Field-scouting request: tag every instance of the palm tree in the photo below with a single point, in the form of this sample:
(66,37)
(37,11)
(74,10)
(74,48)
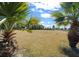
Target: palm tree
(69,15)
(33,22)
(13,12)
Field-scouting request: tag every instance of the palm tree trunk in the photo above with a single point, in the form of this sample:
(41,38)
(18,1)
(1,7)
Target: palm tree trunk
(73,34)
(8,44)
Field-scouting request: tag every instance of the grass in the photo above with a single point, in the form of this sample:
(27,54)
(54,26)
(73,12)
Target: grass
(44,43)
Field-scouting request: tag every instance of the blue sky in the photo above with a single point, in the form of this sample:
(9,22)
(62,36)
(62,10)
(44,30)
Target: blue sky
(42,11)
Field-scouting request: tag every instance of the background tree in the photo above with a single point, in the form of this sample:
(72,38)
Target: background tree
(53,27)
(69,15)
(13,12)
(21,25)
(32,23)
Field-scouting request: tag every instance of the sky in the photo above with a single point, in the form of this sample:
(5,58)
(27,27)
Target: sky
(43,10)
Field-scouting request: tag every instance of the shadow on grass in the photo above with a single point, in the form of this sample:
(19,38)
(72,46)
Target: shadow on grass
(70,52)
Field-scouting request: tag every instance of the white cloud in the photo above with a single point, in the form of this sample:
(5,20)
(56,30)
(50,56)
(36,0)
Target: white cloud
(49,22)
(42,22)
(41,11)
(33,9)
(47,5)
(45,15)
(47,25)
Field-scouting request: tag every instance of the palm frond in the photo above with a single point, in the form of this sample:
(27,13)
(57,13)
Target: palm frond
(57,14)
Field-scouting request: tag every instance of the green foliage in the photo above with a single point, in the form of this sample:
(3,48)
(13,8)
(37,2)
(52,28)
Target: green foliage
(14,12)
(36,27)
(30,31)
(57,14)
(32,21)
(70,12)
(12,9)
